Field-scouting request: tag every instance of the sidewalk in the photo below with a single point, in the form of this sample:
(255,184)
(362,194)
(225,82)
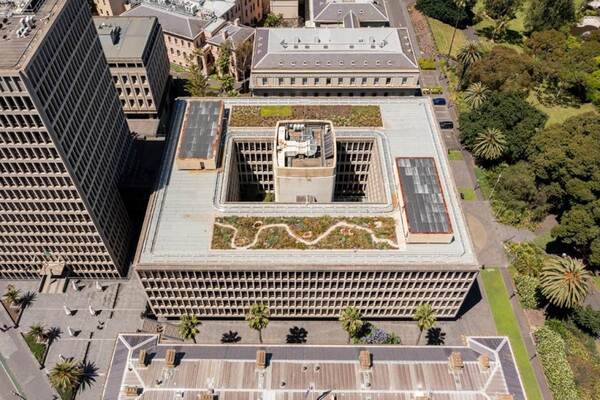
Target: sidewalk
(30,379)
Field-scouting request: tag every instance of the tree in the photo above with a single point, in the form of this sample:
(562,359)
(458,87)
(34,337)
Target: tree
(511,114)
(197,83)
(460,4)
(503,69)
(65,376)
(549,14)
(588,320)
(448,11)
(490,144)
(243,59)
(497,9)
(38,332)
(273,20)
(224,58)
(188,327)
(258,318)
(12,295)
(425,317)
(476,94)
(467,56)
(227,84)
(564,281)
(351,320)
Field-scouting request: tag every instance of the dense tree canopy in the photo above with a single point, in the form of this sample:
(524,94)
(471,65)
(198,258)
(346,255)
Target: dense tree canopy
(549,14)
(509,113)
(447,11)
(501,8)
(502,69)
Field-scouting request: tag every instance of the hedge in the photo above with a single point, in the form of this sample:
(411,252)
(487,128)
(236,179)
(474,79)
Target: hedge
(551,351)
(427,64)
(588,320)
(528,290)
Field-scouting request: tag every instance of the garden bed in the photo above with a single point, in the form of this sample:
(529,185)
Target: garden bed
(13,312)
(271,233)
(37,349)
(344,116)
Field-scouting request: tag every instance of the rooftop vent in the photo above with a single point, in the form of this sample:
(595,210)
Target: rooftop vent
(131,391)
(142,359)
(115,34)
(261,359)
(207,396)
(484,361)
(364,359)
(170,358)
(455,361)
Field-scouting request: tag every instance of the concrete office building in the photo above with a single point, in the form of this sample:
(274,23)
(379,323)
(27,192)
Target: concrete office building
(333,62)
(347,13)
(110,8)
(137,59)
(483,368)
(392,235)
(64,144)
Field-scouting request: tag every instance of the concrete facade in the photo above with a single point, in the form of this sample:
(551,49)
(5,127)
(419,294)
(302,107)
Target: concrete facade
(183,274)
(137,58)
(64,144)
(110,8)
(333,62)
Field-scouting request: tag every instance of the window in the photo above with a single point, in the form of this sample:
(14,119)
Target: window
(305,81)
(292,81)
(404,80)
(352,81)
(280,81)
(328,81)
(388,81)
(364,81)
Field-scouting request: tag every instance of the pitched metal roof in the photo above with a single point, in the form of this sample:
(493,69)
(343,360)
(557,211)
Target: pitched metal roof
(186,26)
(333,49)
(237,34)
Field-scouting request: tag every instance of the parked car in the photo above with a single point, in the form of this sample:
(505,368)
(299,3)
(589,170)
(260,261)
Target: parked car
(446,124)
(439,101)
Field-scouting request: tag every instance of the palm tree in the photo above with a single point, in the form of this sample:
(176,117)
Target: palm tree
(490,144)
(258,318)
(476,94)
(460,4)
(425,317)
(38,332)
(564,281)
(467,56)
(12,295)
(500,26)
(351,320)
(188,327)
(65,376)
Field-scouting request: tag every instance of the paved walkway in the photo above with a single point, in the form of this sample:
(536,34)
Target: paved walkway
(31,381)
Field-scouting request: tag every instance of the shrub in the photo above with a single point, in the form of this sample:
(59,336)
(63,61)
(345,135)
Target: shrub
(427,63)
(551,350)
(379,336)
(526,258)
(447,11)
(588,320)
(432,90)
(528,290)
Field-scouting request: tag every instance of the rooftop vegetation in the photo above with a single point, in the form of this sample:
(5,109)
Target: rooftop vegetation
(340,115)
(307,233)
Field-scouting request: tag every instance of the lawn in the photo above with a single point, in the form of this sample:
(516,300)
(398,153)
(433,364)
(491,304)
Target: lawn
(559,114)
(467,194)
(37,349)
(506,324)
(596,280)
(455,155)
(276,111)
(442,35)
(483,182)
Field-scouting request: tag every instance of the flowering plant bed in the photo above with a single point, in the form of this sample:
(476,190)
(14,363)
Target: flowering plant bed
(235,233)
(339,115)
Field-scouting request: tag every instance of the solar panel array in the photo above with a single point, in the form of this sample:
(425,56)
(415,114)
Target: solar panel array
(424,201)
(199,129)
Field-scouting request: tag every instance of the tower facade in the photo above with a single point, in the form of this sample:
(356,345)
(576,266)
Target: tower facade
(63,140)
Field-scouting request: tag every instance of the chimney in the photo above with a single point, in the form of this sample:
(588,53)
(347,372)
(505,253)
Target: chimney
(225,34)
(364,359)
(484,361)
(170,358)
(261,359)
(236,22)
(142,359)
(456,361)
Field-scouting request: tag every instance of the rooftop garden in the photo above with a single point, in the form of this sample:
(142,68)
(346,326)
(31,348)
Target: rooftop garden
(363,233)
(339,115)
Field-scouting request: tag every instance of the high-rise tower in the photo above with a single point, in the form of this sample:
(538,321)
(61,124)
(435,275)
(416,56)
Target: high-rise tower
(63,144)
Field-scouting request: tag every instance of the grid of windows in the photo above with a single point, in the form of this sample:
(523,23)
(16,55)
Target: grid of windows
(61,157)
(314,294)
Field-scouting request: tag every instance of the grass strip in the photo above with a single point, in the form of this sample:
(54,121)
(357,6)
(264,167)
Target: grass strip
(507,325)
